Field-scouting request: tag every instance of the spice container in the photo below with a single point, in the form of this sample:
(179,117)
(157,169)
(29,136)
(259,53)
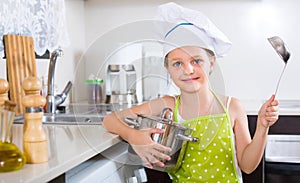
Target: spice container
(35,141)
(94,90)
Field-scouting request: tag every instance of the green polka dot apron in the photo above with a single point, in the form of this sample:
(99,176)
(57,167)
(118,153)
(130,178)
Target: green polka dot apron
(212,158)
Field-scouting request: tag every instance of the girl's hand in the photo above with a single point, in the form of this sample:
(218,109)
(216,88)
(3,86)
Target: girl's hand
(149,151)
(268,113)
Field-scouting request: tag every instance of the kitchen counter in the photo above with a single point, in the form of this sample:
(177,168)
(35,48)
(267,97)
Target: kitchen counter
(286,107)
(69,146)
(72,145)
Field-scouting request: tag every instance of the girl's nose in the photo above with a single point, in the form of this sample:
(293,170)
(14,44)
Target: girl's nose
(189,69)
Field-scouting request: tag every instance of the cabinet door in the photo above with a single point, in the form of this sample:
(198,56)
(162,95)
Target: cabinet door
(123,174)
(115,177)
(286,124)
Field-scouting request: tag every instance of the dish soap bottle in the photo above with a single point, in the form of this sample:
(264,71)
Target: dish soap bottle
(35,142)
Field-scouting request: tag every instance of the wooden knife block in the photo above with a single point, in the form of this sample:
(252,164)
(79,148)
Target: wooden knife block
(20,63)
(4,87)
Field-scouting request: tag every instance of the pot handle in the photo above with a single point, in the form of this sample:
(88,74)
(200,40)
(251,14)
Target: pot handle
(166,113)
(186,138)
(131,121)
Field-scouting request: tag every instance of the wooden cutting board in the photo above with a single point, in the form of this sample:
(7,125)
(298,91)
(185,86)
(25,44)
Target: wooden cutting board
(20,63)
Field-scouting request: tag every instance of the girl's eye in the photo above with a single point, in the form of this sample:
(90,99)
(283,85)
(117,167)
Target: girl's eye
(197,61)
(177,64)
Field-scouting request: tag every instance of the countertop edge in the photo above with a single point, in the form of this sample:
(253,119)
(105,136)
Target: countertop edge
(50,175)
(73,145)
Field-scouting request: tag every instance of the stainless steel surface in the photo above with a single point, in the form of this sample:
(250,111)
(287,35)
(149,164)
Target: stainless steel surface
(283,148)
(33,109)
(167,113)
(73,119)
(186,138)
(172,129)
(121,84)
(132,122)
(282,50)
(122,98)
(78,114)
(53,101)
(175,136)
(128,67)
(114,68)
(69,119)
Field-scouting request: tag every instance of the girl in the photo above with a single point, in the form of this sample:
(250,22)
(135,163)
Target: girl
(220,122)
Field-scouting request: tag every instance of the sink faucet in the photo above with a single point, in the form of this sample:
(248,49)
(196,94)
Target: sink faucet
(52,101)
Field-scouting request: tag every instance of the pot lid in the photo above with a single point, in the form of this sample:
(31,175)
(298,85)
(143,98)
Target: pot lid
(162,120)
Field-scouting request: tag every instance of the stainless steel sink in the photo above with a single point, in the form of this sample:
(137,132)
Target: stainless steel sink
(75,115)
(68,119)
(73,119)
(79,114)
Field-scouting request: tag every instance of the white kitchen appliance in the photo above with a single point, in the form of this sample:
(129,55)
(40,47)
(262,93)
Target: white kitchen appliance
(121,84)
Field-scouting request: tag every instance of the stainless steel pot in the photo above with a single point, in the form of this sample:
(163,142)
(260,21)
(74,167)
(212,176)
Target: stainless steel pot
(175,136)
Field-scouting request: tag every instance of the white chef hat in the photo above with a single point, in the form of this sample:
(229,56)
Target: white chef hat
(190,28)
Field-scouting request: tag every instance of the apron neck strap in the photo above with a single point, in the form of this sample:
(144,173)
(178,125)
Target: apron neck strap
(177,99)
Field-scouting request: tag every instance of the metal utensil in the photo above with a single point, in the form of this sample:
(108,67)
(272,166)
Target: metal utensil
(282,50)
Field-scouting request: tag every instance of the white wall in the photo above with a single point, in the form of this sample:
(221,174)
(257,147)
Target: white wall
(66,64)
(252,68)
(69,62)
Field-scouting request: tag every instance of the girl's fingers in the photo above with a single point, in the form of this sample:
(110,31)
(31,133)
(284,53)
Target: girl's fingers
(151,152)
(272,109)
(156,130)
(269,102)
(275,103)
(162,148)
(161,155)
(153,160)
(145,160)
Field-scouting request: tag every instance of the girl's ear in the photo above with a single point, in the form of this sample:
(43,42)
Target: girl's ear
(212,63)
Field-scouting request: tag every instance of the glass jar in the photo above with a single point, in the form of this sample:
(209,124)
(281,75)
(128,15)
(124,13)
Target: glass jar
(94,90)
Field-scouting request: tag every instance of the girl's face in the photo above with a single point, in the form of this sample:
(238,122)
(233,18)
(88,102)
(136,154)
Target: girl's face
(189,67)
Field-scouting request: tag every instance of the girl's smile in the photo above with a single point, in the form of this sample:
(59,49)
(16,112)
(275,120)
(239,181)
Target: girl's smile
(190,79)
